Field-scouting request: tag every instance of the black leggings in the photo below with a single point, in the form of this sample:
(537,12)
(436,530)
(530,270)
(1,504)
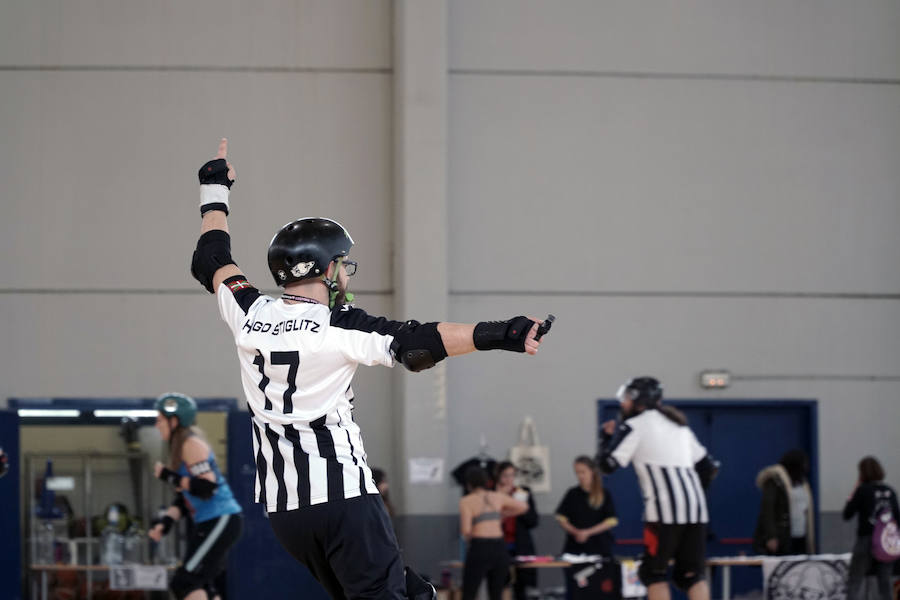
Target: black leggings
(487,557)
(207,553)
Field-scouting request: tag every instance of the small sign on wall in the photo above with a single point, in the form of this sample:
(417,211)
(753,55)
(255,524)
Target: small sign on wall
(424,470)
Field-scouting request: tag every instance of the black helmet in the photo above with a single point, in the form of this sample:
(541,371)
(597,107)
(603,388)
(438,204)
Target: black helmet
(645,392)
(304,248)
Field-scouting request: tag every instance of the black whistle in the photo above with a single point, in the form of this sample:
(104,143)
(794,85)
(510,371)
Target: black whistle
(544,327)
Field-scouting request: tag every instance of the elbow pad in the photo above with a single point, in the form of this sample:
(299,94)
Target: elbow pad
(417,346)
(707,469)
(213,252)
(202,488)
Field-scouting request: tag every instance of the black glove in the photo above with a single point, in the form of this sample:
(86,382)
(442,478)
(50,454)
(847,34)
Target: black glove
(170,476)
(502,335)
(215,171)
(166,522)
(212,175)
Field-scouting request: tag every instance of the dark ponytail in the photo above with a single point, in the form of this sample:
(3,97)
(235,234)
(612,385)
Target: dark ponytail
(673,414)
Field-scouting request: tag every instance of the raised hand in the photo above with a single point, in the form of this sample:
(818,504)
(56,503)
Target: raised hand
(223,153)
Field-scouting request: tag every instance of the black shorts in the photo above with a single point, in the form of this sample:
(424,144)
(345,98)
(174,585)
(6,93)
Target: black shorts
(207,551)
(349,546)
(685,544)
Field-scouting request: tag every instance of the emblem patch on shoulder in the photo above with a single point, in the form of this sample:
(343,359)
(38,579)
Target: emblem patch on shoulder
(302,269)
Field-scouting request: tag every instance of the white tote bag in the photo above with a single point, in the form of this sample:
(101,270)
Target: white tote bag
(531,459)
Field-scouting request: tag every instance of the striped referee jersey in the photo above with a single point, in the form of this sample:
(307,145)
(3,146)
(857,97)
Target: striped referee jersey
(297,362)
(664,454)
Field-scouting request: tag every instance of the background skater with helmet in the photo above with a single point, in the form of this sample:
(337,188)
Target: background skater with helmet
(203,495)
(298,354)
(673,470)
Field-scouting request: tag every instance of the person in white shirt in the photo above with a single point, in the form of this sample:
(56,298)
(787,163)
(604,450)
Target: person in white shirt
(673,469)
(298,354)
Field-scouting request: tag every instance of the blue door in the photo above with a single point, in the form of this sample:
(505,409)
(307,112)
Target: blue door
(258,565)
(745,436)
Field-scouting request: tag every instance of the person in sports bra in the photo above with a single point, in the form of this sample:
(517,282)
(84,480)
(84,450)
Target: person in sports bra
(481,512)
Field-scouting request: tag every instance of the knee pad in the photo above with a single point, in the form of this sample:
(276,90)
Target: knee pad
(649,574)
(685,579)
(183,583)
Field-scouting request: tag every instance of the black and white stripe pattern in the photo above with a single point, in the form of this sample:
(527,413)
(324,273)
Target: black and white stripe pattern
(297,363)
(664,454)
(673,495)
(300,465)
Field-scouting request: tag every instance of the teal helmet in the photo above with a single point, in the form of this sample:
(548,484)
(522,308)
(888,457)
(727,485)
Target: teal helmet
(177,405)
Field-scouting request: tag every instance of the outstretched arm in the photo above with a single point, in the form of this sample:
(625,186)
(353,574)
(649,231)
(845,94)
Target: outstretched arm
(459,338)
(420,346)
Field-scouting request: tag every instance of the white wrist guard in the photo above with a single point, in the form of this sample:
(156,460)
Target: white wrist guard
(213,196)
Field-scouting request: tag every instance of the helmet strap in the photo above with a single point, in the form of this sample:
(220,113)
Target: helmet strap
(334,290)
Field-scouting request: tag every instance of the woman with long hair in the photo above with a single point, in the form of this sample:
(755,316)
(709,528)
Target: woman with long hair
(517,529)
(587,514)
(481,512)
(203,495)
(871,499)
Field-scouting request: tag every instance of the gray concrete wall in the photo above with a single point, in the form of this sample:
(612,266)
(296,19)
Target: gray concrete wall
(691,186)
(108,111)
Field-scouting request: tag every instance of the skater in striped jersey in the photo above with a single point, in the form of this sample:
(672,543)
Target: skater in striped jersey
(298,354)
(673,469)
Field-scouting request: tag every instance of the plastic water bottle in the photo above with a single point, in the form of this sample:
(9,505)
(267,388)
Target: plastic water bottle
(131,550)
(46,542)
(112,542)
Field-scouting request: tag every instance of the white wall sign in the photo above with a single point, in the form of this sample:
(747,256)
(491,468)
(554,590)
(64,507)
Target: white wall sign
(138,577)
(426,470)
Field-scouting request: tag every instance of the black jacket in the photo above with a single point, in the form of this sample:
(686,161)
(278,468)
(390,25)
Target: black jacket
(775,512)
(864,501)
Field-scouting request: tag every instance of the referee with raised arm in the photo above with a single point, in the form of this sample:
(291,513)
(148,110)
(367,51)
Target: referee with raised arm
(298,354)
(673,470)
